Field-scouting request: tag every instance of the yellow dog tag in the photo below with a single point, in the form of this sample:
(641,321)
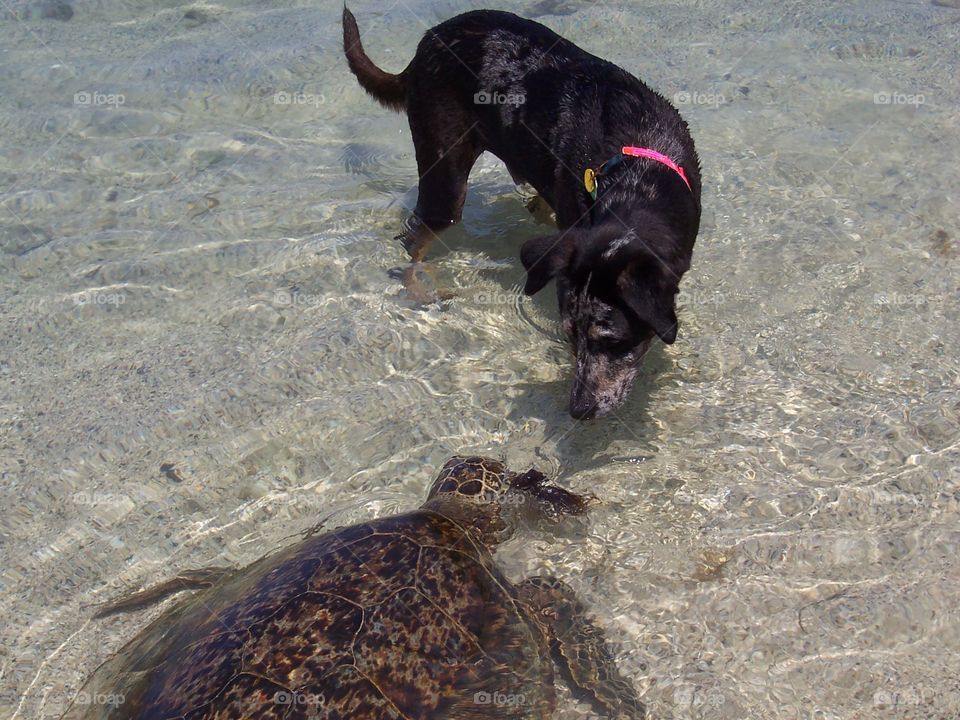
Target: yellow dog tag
(590,181)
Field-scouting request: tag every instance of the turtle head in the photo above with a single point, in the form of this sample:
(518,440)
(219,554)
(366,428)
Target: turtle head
(472,480)
(485,495)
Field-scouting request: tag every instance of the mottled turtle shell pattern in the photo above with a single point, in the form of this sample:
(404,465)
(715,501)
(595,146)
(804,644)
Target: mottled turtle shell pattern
(400,618)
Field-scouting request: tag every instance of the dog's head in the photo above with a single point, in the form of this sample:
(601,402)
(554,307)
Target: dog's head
(616,288)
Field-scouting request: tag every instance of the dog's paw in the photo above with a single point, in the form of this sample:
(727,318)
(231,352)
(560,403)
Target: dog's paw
(419,286)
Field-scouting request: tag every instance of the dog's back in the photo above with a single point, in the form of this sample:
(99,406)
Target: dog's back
(516,80)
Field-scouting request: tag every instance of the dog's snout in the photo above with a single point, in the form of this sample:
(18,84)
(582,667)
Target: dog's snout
(583,405)
(582,411)
(601,383)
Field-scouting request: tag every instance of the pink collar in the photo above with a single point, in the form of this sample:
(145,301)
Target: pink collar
(590,175)
(659,157)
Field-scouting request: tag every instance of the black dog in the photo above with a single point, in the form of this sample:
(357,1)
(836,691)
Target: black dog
(612,157)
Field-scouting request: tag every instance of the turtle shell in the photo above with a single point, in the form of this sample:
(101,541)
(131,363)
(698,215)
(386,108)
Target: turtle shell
(403,617)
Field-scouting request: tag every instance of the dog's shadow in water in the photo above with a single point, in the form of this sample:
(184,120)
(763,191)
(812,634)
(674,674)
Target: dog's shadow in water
(625,434)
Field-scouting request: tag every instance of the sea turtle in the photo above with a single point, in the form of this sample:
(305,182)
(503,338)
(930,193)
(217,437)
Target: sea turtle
(399,618)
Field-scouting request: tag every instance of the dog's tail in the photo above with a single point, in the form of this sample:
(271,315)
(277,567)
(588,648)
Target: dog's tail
(388,89)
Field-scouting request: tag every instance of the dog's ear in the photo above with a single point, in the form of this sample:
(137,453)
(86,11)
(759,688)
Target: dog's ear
(647,268)
(653,301)
(544,258)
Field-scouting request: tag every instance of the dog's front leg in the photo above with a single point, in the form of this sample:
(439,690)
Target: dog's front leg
(417,236)
(417,277)
(446,152)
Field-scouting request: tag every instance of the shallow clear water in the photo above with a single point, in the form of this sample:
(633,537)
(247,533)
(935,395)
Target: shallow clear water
(195,221)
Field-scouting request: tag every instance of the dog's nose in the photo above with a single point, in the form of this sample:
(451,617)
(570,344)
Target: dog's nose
(582,408)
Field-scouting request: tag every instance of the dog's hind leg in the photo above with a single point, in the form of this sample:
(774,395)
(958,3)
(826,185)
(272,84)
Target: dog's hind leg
(416,237)
(446,151)
(446,147)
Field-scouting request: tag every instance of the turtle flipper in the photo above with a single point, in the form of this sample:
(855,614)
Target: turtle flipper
(580,650)
(188,580)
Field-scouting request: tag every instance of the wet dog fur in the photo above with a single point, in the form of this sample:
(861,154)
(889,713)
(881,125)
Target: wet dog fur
(492,81)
